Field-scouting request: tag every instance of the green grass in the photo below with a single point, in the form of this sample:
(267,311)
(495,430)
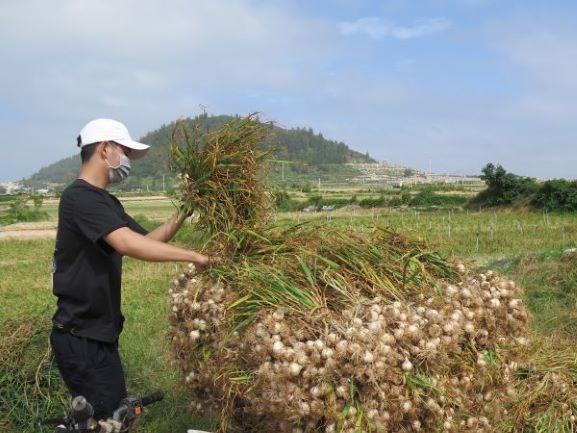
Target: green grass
(25,292)
(526,246)
(549,279)
(483,236)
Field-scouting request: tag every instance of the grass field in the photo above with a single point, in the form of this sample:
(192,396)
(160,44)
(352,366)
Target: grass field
(480,235)
(154,208)
(25,294)
(527,246)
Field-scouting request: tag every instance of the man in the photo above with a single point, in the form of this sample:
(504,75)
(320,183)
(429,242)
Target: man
(94,232)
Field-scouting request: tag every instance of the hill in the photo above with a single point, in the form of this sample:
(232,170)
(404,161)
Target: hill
(303,149)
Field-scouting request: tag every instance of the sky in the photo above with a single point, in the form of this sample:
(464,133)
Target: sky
(445,84)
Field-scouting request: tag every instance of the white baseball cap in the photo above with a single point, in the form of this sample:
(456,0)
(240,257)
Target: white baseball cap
(99,130)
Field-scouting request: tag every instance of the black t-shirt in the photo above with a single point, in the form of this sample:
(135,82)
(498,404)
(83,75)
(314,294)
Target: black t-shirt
(86,270)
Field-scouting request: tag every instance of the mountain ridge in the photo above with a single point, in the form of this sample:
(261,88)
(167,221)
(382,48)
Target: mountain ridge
(306,150)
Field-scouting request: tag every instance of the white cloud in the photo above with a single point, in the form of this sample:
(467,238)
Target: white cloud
(549,56)
(378,28)
(237,40)
(141,50)
(542,55)
(146,62)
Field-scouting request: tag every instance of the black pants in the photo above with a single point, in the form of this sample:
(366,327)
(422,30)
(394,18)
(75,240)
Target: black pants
(90,368)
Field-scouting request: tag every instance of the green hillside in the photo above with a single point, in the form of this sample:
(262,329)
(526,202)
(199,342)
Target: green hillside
(303,151)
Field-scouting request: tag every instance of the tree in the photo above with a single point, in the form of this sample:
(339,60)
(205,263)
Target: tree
(408,172)
(557,194)
(503,188)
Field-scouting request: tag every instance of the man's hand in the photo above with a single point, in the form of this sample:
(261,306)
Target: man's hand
(132,244)
(205,262)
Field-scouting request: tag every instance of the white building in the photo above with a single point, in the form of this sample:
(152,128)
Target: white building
(11,187)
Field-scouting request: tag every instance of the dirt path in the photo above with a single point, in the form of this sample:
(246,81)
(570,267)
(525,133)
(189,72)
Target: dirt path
(23,231)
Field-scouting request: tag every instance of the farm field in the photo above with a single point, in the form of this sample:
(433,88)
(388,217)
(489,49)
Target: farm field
(155,208)
(528,247)
(480,236)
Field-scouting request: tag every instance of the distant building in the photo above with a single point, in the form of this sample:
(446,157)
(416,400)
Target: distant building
(10,187)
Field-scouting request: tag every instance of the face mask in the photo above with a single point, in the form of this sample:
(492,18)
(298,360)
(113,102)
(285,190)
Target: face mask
(120,172)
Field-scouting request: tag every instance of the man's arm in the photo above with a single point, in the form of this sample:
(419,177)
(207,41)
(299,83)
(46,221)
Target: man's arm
(165,232)
(129,243)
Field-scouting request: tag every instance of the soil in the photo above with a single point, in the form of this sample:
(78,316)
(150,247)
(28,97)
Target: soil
(23,231)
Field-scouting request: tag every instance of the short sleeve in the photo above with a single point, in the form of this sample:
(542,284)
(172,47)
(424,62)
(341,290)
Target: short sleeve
(135,226)
(96,215)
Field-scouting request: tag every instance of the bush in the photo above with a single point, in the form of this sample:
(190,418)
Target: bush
(428,197)
(373,202)
(557,194)
(318,201)
(20,210)
(503,188)
(283,201)
(403,197)
(395,202)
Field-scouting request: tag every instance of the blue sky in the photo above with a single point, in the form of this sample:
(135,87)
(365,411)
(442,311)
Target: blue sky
(457,83)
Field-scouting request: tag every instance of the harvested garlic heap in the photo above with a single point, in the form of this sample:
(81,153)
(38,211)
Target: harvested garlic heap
(443,363)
